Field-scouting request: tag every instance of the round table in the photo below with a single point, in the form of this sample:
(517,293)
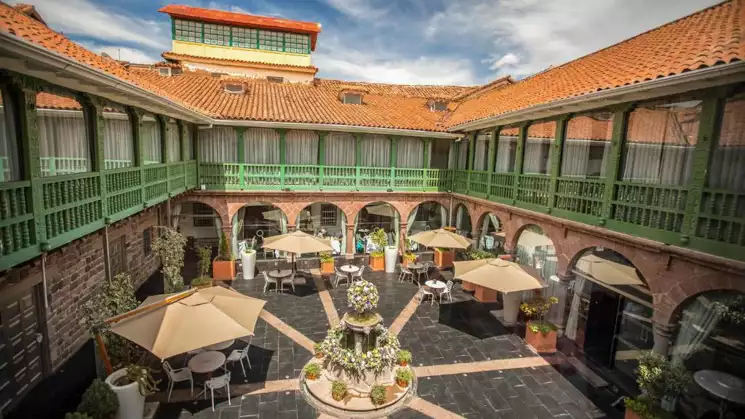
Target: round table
(207,362)
(723,386)
(279,274)
(220,345)
(436,285)
(417,268)
(350,270)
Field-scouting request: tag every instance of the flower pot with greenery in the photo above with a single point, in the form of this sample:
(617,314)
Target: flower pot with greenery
(338,390)
(131,385)
(378,395)
(327,262)
(662,381)
(408,258)
(223,267)
(540,333)
(204,263)
(403,357)
(170,247)
(643,407)
(248,263)
(312,371)
(377,257)
(475,254)
(444,257)
(318,349)
(98,401)
(403,377)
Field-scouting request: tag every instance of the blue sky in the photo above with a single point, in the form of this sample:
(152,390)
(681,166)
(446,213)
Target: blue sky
(460,42)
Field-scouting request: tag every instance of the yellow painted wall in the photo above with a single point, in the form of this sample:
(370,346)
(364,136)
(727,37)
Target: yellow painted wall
(289,76)
(234,53)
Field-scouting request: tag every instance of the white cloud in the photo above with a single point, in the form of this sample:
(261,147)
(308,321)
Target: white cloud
(83,18)
(227,7)
(123,53)
(544,33)
(359,9)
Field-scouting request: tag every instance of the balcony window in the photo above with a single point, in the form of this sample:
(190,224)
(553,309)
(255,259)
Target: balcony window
(438,152)
(218,145)
(660,139)
(174,143)
(481,152)
(727,167)
(587,145)
(459,154)
(216,34)
(10,168)
(410,153)
(539,148)
(262,146)
(340,149)
(506,150)
(186,30)
(152,142)
(376,151)
(63,135)
(301,147)
(118,140)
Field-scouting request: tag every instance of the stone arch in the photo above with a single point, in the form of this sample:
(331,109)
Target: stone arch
(646,274)
(358,207)
(218,205)
(416,206)
(479,226)
(468,209)
(520,225)
(549,258)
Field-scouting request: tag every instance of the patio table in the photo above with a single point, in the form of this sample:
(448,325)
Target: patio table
(279,274)
(207,362)
(417,268)
(723,386)
(220,345)
(350,270)
(436,285)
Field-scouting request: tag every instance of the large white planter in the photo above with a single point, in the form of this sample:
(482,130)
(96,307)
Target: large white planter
(248,264)
(131,402)
(391,257)
(510,307)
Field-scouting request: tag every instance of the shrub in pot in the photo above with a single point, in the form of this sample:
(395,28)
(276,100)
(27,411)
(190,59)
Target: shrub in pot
(98,401)
(444,257)
(318,349)
(661,380)
(338,390)
(131,385)
(643,407)
(223,267)
(248,261)
(378,394)
(327,262)
(540,333)
(403,377)
(169,246)
(408,258)
(201,282)
(403,357)
(312,371)
(377,257)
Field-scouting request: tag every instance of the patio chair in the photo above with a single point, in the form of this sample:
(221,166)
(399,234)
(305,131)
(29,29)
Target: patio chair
(425,269)
(215,384)
(424,292)
(340,276)
(447,291)
(404,273)
(269,280)
(239,355)
(177,376)
(289,280)
(358,275)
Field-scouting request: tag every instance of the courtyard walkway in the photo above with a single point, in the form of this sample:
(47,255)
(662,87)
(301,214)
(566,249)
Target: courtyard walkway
(467,363)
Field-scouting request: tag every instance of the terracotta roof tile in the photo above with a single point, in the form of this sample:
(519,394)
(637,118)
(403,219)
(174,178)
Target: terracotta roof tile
(238,63)
(713,36)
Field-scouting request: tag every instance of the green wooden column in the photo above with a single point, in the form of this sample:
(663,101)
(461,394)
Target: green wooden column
(95,124)
(708,137)
(182,141)
(164,146)
(469,163)
(426,163)
(392,161)
(357,159)
(613,167)
(492,159)
(135,117)
(321,156)
(282,156)
(519,153)
(454,170)
(197,156)
(556,159)
(30,150)
(240,134)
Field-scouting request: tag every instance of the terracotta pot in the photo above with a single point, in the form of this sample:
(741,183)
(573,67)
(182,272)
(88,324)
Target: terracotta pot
(311,376)
(377,263)
(540,342)
(338,397)
(468,286)
(327,267)
(223,270)
(403,363)
(402,383)
(444,258)
(319,355)
(631,414)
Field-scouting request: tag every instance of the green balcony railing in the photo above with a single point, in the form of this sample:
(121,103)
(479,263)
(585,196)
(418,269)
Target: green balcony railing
(72,205)
(534,190)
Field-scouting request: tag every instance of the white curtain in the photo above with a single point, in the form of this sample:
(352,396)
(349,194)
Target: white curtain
(218,145)
(412,218)
(175,215)
(396,229)
(727,170)
(189,140)
(657,163)
(481,152)
(340,149)
(151,141)
(580,158)
(698,321)
(301,147)
(460,218)
(64,142)
(376,151)
(118,141)
(174,145)
(410,153)
(444,216)
(9,157)
(505,159)
(537,159)
(572,320)
(262,146)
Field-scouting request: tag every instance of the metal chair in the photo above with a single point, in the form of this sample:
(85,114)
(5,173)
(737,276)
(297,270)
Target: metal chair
(239,355)
(340,276)
(404,272)
(358,275)
(447,291)
(269,280)
(215,384)
(289,280)
(424,292)
(177,376)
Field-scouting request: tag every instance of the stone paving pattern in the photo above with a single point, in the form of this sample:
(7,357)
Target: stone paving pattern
(461,332)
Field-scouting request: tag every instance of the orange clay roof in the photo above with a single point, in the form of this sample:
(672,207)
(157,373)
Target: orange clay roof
(715,35)
(239,63)
(243,19)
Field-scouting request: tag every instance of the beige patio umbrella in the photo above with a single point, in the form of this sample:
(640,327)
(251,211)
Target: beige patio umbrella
(297,242)
(496,274)
(172,324)
(441,238)
(608,271)
(384,210)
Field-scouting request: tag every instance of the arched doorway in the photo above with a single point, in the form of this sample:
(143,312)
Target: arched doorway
(491,236)
(463,221)
(535,249)
(198,222)
(372,216)
(256,221)
(325,220)
(608,311)
(426,216)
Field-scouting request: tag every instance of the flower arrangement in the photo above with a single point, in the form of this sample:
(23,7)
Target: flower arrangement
(659,378)
(99,401)
(403,357)
(403,377)
(312,371)
(374,360)
(318,347)
(410,257)
(338,390)
(536,310)
(325,257)
(378,395)
(362,296)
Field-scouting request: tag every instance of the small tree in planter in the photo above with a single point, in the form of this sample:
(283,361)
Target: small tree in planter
(403,377)
(170,248)
(131,385)
(223,267)
(661,382)
(318,349)
(643,407)
(327,262)
(312,371)
(378,395)
(408,258)
(403,357)
(540,334)
(338,390)
(99,401)
(204,263)
(377,256)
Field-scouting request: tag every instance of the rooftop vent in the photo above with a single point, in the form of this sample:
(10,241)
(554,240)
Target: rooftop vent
(164,71)
(235,88)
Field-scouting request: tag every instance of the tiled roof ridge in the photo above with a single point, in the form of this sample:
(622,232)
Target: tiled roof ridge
(486,87)
(179,9)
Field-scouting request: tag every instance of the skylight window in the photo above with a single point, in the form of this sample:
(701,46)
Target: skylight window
(235,88)
(164,71)
(438,105)
(351,98)
(274,79)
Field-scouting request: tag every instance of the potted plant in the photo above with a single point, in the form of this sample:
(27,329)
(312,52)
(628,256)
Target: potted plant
(201,282)
(661,380)
(77,415)
(338,390)
(378,395)
(248,262)
(318,349)
(643,407)
(407,258)
(540,333)
(327,262)
(444,257)
(312,371)
(403,377)
(403,357)
(223,267)
(131,385)
(98,401)
(170,248)
(380,240)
